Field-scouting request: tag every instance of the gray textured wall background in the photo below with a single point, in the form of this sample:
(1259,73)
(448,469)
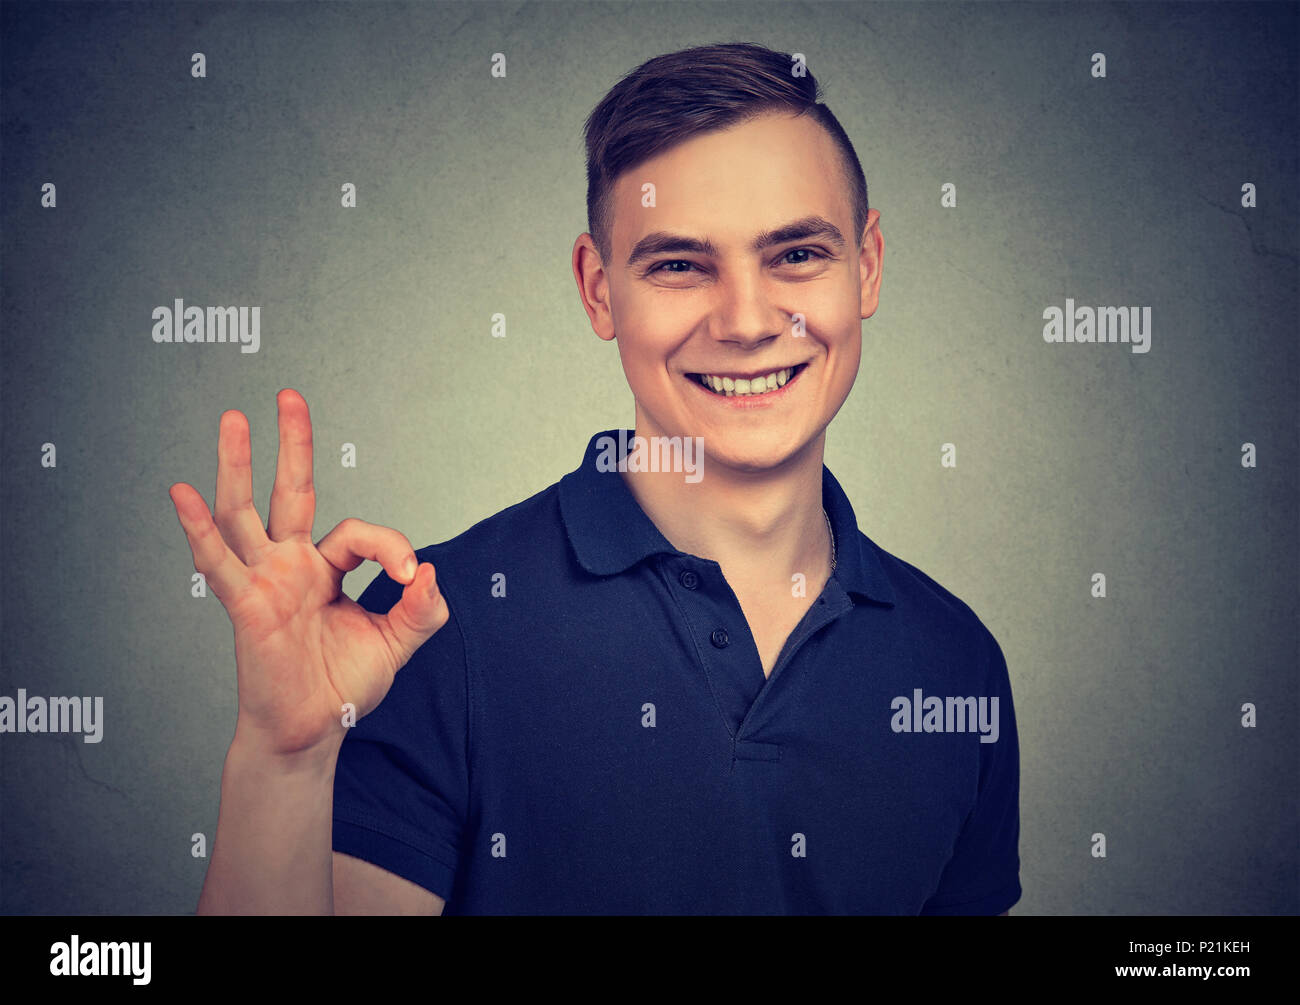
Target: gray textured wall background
(1072,459)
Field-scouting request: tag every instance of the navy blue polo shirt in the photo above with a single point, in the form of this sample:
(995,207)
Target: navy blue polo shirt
(591,731)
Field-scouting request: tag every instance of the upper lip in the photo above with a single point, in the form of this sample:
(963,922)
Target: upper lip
(750,375)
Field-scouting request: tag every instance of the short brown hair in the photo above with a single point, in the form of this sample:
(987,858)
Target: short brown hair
(673,97)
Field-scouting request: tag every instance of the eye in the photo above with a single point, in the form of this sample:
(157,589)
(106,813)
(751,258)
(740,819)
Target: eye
(802,251)
(680,266)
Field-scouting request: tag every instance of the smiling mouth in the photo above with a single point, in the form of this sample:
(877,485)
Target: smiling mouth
(731,387)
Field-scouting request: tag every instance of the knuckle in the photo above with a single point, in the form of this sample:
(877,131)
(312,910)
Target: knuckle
(393,649)
(203,536)
(397,618)
(293,490)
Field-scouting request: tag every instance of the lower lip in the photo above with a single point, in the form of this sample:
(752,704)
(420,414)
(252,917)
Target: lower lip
(743,401)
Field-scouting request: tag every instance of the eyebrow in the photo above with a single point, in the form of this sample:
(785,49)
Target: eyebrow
(662,242)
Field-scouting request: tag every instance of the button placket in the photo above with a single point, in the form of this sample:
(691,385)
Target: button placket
(833,603)
(713,615)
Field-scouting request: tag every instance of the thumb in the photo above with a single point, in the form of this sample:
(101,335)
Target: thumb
(417,615)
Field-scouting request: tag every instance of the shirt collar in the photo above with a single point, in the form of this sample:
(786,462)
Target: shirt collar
(610,532)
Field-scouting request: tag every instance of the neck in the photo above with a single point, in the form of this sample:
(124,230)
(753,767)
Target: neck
(760,526)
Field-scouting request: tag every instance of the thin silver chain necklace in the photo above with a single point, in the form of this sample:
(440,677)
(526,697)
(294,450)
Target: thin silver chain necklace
(831,533)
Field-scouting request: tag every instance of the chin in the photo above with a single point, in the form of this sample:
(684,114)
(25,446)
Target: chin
(751,452)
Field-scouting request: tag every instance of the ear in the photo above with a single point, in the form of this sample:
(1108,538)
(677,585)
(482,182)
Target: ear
(593,286)
(870,260)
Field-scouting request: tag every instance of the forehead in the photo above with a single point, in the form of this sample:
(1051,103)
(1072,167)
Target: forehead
(729,184)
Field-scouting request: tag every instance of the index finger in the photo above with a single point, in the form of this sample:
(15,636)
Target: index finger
(293,496)
(222,569)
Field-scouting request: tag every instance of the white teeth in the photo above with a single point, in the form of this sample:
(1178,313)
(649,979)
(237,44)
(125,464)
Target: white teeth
(756,385)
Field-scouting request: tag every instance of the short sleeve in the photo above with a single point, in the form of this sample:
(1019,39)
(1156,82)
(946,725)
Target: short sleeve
(983,875)
(401,784)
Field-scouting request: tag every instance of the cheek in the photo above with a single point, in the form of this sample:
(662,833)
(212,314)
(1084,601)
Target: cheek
(835,309)
(848,358)
(649,331)
(644,363)
(830,309)
(851,357)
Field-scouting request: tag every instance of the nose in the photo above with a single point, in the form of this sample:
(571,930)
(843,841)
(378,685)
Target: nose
(745,314)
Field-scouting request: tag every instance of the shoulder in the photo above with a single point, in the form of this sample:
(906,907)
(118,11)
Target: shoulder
(521,551)
(527,533)
(931,611)
(532,523)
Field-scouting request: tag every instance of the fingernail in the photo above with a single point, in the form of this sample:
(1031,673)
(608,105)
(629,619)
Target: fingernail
(410,566)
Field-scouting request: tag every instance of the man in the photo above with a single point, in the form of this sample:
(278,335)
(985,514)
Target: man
(680,679)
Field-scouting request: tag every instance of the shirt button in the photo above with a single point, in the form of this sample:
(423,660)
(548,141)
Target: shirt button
(689,579)
(719,638)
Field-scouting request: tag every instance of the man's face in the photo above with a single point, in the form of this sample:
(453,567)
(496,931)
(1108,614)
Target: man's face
(704,283)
